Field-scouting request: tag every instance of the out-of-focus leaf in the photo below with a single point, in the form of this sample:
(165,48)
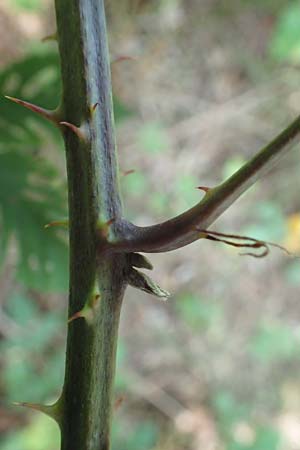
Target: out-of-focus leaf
(26,374)
(267,438)
(292,273)
(31,194)
(153,138)
(231,165)
(199,314)
(121,111)
(28,5)
(285,43)
(144,436)
(270,223)
(35,79)
(228,410)
(135,184)
(274,341)
(29,198)
(186,192)
(41,433)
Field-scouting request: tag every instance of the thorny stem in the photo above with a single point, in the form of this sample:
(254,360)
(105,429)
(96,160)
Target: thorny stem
(102,256)
(184,229)
(86,400)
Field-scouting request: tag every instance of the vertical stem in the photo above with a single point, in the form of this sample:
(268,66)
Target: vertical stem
(93,195)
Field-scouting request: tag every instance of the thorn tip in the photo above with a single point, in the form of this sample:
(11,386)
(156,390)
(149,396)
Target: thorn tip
(203,188)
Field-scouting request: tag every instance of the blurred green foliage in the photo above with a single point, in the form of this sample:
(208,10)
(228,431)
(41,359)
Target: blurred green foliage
(32,191)
(141,437)
(199,314)
(153,138)
(292,273)
(268,223)
(285,42)
(27,5)
(238,428)
(36,335)
(40,434)
(273,342)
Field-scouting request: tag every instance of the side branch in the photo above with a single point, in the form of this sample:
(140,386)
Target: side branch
(183,229)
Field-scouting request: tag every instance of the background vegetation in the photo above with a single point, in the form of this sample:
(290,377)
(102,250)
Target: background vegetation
(218,366)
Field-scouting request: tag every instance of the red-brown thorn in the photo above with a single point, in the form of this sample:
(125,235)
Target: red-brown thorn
(203,188)
(122,58)
(46,113)
(127,172)
(73,128)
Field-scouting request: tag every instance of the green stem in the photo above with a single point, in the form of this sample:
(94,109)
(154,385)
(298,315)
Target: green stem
(93,195)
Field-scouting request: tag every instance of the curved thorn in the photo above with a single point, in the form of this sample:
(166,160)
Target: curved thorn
(57,223)
(203,188)
(95,105)
(88,310)
(46,113)
(118,402)
(78,131)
